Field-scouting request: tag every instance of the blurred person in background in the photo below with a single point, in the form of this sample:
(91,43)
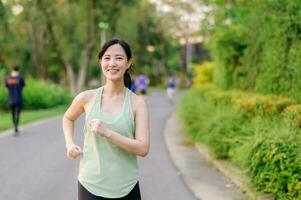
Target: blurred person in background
(133,85)
(142,83)
(116,130)
(15,84)
(171,88)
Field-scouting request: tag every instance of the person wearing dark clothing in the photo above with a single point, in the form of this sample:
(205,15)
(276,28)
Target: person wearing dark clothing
(171,89)
(133,86)
(15,84)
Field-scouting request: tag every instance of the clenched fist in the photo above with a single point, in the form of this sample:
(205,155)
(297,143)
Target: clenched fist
(73,151)
(98,127)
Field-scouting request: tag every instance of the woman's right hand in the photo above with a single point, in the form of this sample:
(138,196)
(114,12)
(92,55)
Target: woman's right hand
(73,151)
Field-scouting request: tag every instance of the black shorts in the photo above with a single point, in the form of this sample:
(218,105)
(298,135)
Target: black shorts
(84,194)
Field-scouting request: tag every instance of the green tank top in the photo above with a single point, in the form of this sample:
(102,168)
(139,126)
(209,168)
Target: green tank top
(105,169)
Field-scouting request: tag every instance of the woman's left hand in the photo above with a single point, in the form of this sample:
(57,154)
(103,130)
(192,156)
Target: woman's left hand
(98,127)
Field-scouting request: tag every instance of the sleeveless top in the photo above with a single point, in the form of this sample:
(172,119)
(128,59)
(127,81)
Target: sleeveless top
(105,169)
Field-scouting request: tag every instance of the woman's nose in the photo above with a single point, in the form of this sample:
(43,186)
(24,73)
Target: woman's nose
(112,62)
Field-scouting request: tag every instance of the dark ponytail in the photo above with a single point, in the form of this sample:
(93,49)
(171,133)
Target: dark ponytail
(127,49)
(127,79)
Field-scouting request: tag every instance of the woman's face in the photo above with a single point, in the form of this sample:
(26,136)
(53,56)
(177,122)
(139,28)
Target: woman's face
(114,62)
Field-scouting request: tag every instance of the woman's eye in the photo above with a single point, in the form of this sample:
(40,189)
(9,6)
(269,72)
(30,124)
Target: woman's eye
(119,58)
(106,58)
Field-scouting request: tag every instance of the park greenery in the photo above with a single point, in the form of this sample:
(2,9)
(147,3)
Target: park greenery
(38,95)
(59,40)
(245,103)
(256,46)
(56,43)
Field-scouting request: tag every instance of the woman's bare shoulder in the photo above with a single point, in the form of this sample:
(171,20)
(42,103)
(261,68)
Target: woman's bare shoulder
(137,101)
(87,95)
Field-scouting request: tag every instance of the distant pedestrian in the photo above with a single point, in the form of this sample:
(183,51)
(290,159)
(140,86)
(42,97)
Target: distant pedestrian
(116,130)
(133,85)
(142,83)
(171,88)
(15,84)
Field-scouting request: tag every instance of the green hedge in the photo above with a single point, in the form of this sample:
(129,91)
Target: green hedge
(38,94)
(256,45)
(266,145)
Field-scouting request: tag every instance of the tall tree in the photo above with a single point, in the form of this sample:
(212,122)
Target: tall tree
(142,28)
(73,30)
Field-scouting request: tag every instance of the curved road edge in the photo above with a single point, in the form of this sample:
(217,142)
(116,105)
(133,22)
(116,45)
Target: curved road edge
(205,182)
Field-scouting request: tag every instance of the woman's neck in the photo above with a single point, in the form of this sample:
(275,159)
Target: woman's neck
(113,89)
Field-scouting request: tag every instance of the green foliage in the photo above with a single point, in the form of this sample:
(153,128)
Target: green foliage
(38,95)
(188,112)
(3,96)
(218,126)
(246,102)
(256,46)
(261,134)
(203,73)
(227,44)
(144,31)
(232,40)
(280,63)
(292,115)
(59,40)
(274,162)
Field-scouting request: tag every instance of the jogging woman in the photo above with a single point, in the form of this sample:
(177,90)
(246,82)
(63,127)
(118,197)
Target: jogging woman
(116,130)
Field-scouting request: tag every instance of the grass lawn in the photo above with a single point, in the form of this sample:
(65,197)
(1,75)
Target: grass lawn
(29,116)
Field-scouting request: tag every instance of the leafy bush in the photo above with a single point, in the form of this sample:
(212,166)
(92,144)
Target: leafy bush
(188,112)
(274,162)
(292,115)
(38,94)
(266,59)
(203,73)
(248,102)
(263,138)
(220,127)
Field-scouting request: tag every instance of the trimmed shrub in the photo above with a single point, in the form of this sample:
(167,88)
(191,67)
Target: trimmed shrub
(38,94)
(274,162)
(292,115)
(256,46)
(261,136)
(203,73)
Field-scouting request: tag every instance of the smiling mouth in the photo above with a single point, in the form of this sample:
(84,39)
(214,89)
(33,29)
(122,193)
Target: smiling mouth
(113,70)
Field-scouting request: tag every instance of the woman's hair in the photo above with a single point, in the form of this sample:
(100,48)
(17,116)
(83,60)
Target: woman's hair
(127,49)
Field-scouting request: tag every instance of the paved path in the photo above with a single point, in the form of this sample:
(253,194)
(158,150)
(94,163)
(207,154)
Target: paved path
(202,178)
(33,166)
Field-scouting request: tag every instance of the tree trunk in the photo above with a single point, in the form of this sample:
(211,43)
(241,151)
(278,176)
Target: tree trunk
(33,45)
(67,65)
(38,40)
(71,78)
(42,54)
(85,57)
(165,56)
(86,52)
(183,58)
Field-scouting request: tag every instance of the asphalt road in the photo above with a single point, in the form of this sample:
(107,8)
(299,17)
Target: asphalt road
(34,166)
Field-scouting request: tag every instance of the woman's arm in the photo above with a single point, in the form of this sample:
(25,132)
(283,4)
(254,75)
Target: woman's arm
(138,146)
(73,112)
